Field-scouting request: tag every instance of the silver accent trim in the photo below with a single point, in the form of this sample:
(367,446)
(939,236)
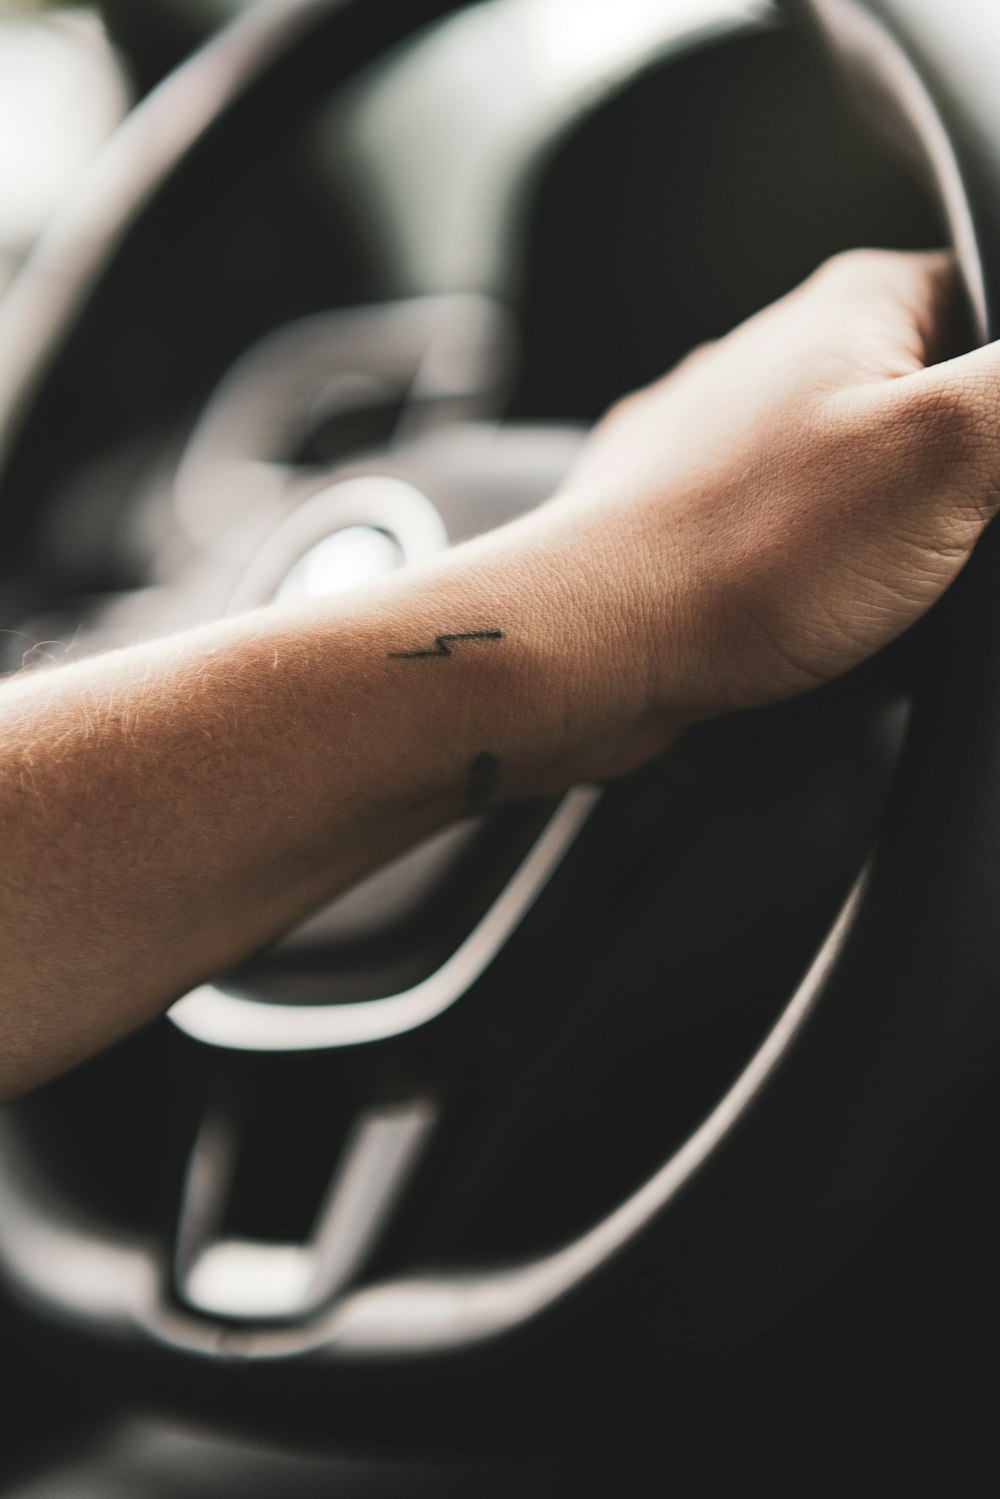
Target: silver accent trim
(382,1152)
(113,1285)
(218,1017)
(235,479)
(437,1314)
(379,501)
(255,1279)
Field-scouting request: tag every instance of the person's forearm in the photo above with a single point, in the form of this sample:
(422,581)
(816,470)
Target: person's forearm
(761,520)
(168,808)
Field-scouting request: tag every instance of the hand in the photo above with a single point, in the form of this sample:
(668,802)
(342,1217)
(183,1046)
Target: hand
(790,498)
(784,503)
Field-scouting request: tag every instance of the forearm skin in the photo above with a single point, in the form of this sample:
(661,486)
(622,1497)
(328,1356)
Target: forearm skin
(168,808)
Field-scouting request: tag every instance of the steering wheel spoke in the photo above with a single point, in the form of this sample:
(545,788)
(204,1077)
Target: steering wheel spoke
(257,1280)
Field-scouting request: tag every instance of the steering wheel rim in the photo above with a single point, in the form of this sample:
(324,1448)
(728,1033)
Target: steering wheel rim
(724,1234)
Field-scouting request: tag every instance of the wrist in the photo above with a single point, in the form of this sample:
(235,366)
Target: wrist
(572,690)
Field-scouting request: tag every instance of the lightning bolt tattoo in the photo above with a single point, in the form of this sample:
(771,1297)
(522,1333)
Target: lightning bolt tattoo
(444,643)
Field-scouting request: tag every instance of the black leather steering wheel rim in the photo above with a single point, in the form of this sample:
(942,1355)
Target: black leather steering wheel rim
(884,1041)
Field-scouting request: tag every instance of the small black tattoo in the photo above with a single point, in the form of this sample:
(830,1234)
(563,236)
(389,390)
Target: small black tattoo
(443,644)
(484,775)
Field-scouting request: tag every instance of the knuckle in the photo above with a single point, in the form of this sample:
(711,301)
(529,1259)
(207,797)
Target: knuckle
(938,412)
(621,411)
(949,424)
(848,267)
(697,355)
(904,276)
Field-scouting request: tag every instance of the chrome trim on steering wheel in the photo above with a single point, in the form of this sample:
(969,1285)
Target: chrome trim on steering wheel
(220,1018)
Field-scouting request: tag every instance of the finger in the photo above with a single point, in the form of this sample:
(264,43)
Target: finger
(901,306)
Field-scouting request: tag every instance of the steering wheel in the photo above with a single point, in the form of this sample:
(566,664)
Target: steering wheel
(364,1322)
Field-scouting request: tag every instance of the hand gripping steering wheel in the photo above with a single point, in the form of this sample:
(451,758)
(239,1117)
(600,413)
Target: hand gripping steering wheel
(857,1078)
